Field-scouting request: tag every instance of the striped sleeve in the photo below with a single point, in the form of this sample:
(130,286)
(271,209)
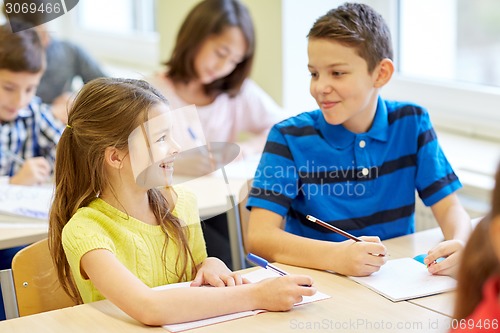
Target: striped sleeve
(435,178)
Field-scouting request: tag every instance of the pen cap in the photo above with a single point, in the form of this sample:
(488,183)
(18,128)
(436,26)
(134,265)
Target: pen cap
(257,260)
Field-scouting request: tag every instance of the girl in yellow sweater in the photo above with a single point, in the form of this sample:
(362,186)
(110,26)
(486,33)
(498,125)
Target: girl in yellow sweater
(117,226)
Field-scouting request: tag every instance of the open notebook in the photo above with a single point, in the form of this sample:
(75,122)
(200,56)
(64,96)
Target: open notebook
(27,204)
(406,278)
(254,276)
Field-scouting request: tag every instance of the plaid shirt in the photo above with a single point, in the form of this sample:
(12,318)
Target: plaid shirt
(35,132)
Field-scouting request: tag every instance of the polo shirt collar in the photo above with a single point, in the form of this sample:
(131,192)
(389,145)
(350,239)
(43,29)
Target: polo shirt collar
(340,137)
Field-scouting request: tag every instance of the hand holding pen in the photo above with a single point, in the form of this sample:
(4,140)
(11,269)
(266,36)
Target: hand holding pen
(34,171)
(357,260)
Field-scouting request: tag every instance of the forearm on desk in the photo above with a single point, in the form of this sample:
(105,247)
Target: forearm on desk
(266,238)
(452,218)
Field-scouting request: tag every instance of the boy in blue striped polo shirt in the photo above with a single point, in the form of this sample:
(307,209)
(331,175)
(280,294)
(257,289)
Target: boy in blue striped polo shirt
(354,163)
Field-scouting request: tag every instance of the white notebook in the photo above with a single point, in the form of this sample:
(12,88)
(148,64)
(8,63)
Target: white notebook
(254,276)
(25,203)
(406,278)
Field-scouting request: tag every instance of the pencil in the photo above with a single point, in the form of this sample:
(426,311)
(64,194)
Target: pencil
(332,228)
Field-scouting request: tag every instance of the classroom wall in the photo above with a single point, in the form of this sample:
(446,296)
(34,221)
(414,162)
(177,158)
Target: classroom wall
(267,71)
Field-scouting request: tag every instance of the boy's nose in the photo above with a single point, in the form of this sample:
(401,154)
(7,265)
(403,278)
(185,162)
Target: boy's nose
(325,87)
(20,100)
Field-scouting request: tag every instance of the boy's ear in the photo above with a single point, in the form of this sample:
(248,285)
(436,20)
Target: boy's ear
(383,72)
(114,157)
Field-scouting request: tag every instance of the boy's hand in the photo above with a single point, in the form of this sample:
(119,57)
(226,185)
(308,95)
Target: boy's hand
(360,258)
(215,273)
(451,250)
(35,171)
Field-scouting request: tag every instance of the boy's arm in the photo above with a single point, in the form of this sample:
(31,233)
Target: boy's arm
(266,238)
(456,227)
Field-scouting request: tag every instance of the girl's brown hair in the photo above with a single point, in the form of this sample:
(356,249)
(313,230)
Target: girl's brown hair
(207,18)
(103,115)
(21,51)
(479,261)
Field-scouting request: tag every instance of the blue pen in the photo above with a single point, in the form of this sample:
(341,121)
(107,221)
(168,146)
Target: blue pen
(264,264)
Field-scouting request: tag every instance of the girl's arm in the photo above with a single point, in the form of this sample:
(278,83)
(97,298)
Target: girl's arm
(159,307)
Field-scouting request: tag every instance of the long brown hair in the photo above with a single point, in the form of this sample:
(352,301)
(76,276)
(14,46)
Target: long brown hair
(207,18)
(479,261)
(103,115)
(358,26)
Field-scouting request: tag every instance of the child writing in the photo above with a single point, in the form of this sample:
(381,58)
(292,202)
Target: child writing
(117,227)
(28,132)
(354,163)
(477,307)
(209,67)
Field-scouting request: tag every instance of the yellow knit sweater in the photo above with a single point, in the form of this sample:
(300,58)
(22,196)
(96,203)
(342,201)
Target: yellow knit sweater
(135,244)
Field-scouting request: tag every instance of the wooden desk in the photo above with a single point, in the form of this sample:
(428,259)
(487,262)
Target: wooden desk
(352,308)
(12,237)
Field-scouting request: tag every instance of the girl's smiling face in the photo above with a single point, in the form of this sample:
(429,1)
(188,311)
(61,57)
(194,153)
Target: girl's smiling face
(153,149)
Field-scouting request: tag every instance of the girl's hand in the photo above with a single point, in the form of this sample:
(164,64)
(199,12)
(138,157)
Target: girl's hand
(215,273)
(280,294)
(451,250)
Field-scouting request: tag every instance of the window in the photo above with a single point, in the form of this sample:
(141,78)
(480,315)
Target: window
(447,61)
(455,40)
(117,31)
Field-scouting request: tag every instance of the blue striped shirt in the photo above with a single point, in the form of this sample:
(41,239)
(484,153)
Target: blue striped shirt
(35,132)
(363,183)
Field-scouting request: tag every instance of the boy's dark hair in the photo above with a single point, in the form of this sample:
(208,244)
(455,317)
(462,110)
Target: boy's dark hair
(358,26)
(211,17)
(21,51)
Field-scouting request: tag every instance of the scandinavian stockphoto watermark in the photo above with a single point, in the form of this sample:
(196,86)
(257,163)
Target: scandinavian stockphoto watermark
(311,180)
(26,14)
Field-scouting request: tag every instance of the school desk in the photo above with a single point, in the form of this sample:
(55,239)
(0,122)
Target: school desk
(16,236)
(351,308)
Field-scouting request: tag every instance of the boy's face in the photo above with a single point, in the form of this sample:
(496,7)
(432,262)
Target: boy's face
(341,85)
(17,89)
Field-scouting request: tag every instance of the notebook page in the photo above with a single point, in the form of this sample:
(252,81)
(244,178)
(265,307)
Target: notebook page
(254,276)
(31,202)
(406,278)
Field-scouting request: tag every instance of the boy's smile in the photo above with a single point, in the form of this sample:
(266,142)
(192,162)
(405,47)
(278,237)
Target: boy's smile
(341,85)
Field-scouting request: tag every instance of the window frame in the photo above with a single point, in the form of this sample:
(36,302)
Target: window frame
(465,108)
(139,49)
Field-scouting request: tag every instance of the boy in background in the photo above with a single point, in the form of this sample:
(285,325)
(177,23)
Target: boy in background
(355,163)
(28,131)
